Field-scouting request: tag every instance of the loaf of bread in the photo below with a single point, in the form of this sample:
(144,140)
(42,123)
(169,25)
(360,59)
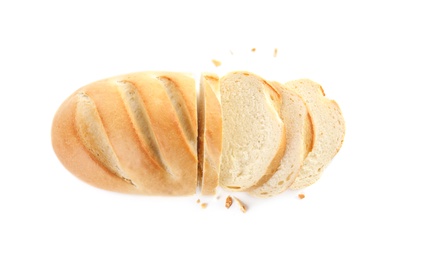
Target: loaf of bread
(135,133)
(143,133)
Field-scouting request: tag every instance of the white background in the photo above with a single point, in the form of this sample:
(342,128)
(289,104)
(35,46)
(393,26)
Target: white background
(368,55)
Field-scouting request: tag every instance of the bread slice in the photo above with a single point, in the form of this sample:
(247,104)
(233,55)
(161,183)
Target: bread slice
(210,133)
(328,131)
(298,143)
(253,132)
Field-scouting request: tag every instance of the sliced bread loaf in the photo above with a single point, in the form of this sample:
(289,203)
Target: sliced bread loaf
(210,133)
(253,132)
(298,143)
(328,131)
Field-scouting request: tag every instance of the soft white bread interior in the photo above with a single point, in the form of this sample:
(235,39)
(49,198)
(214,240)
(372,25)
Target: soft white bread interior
(298,143)
(328,131)
(253,132)
(210,133)
(134,133)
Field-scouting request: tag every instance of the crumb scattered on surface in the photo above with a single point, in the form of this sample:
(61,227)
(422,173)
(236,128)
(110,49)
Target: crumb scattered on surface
(253,49)
(229,201)
(217,197)
(216,62)
(242,206)
(204,205)
(275,52)
(301,196)
(198,201)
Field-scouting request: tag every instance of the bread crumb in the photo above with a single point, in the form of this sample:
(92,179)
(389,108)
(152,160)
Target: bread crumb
(229,201)
(275,52)
(198,201)
(253,49)
(242,206)
(204,205)
(217,197)
(301,196)
(216,63)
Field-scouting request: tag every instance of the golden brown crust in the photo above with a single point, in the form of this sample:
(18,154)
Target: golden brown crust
(163,166)
(76,158)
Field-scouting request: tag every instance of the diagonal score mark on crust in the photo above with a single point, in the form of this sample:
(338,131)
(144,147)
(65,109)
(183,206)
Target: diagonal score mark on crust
(140,119)
(181,109)
(93,135)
